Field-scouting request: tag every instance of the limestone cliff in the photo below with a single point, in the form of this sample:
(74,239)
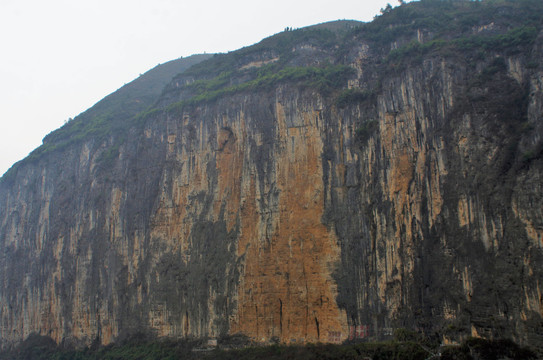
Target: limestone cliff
(327,183)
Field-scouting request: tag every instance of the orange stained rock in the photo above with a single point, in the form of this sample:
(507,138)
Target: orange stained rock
(229,165)
(287,290)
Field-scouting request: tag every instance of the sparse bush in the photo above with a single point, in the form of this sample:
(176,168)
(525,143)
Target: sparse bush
(402,335)
(352,96)
(498,349)
(367,129)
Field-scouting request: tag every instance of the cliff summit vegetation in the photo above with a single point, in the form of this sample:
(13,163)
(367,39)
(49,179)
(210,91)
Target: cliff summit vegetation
(452,27)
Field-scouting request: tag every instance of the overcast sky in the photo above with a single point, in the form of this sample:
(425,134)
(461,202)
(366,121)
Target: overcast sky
(59,57)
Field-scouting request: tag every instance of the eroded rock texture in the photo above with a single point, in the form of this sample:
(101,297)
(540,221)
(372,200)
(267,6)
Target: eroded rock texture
(282,214)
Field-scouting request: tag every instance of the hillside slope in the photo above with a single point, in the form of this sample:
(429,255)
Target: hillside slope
(321,185)
(115,111)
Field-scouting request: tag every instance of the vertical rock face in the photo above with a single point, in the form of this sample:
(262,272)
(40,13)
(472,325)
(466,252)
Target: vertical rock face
(289,211)
(433,196)
(215,227)
(286,290)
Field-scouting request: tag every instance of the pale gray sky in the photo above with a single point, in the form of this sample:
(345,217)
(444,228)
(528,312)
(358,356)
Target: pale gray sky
(59,57)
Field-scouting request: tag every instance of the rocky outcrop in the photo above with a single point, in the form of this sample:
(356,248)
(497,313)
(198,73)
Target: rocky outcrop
(288,210)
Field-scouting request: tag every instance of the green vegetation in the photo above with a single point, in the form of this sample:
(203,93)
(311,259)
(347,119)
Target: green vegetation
(109,155)
(399,37)
(220,75)
(77,130)
(367,129)
(510,42)
(43,348)
(141,348)
(448,19)
(452,28)
(476,348)
(111,116)
(226,74)
(323,79)
(352,96)
(279,45)
(536,152)
(378,350)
